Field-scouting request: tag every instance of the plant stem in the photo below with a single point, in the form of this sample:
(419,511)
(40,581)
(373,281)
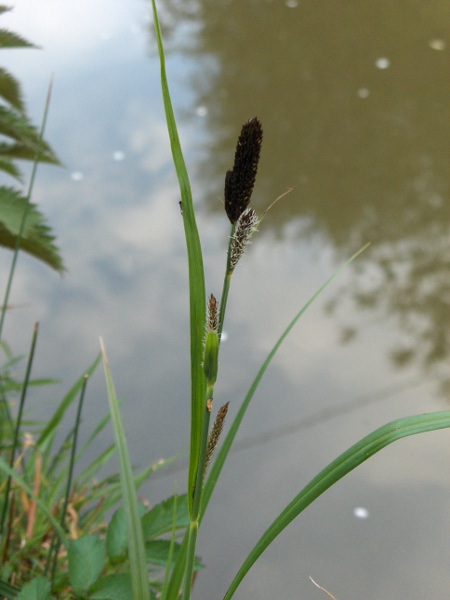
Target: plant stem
(18,424)
(226,282)
(194,524)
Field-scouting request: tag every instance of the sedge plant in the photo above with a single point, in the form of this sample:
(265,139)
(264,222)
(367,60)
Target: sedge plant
(207,317)
(54,540)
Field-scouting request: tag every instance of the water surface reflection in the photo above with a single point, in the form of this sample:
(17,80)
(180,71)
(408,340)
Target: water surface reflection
(354,102)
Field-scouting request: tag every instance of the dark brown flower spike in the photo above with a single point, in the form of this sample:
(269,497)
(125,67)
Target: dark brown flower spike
(240,181)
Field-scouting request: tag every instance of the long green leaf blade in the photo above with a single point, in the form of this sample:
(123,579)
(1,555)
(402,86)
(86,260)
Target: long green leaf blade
(341,466)
(136,547)
(55,421)
(197,292)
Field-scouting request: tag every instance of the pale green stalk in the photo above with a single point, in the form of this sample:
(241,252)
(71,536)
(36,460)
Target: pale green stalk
(136,546)
(226,282)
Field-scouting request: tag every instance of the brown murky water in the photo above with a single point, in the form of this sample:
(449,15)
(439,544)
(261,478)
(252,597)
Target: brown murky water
(354,100)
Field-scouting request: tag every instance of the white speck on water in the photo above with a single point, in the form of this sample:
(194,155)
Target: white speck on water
(291,3)
(382,63)
(201,111)
(118,155)
(361,513)
(77,176)
(437,44)
(224,336)
(363,92)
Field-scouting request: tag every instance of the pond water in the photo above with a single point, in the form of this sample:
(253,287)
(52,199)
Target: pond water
(353,98)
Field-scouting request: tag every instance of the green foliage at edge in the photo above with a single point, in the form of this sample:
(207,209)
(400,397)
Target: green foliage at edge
(36,239)
(21,141)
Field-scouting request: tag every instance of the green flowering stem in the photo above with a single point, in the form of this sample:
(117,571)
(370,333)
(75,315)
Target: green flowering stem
(198,490)
(226,282)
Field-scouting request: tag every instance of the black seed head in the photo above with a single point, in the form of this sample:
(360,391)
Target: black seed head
(240,181)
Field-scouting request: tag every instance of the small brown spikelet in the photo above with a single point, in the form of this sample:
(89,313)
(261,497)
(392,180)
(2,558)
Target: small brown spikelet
(245,228)
(240,181)
(211,353)
(215,434)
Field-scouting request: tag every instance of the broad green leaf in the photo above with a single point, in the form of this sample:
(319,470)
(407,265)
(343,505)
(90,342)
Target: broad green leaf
(36,237)
(117,534)
(159,520)
(36,589)
(112,587)
(340,467)
(87,557)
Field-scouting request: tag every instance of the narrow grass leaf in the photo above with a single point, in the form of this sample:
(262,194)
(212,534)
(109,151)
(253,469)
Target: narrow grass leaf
(197,294)
(55,421)
(176,579)
(8,591)
(170,556)
(138,563)
(340,467)
(226,446)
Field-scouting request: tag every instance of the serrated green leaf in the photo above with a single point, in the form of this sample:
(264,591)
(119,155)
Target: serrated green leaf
(112,587)
(37,589)
(87,557)
(7,165)
(159,520)
(117,534)
(9,39)
(16,125)
(10,90)
(37,239)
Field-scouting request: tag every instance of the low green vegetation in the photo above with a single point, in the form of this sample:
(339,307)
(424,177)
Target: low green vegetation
(58,535)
